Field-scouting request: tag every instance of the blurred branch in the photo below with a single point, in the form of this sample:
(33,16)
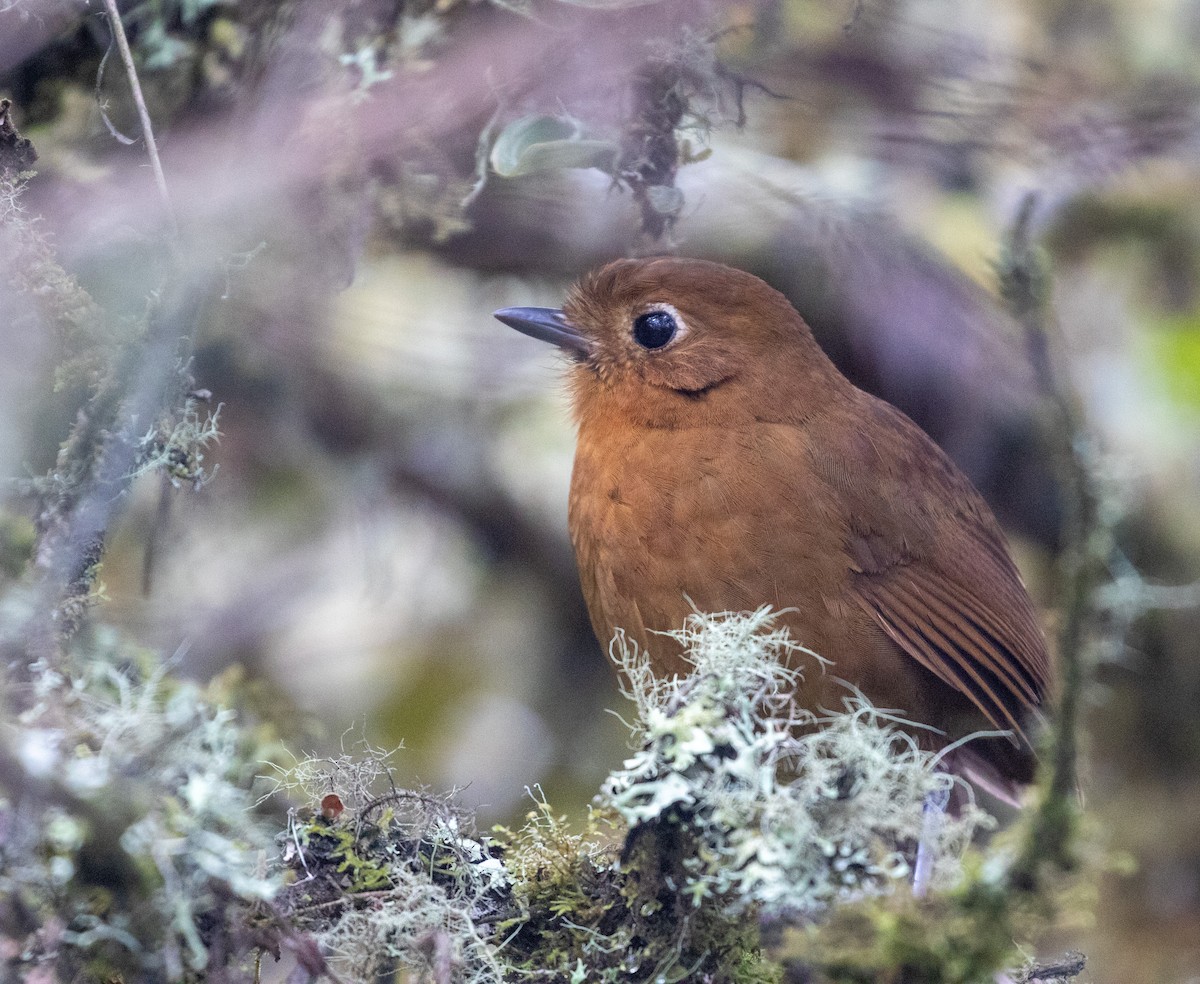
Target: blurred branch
(134,383)
(100,458)
(1025,286)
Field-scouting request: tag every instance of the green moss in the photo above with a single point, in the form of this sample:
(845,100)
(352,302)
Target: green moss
(650,888)
(587,910)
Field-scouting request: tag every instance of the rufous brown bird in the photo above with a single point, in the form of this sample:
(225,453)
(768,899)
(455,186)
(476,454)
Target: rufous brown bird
(724,463)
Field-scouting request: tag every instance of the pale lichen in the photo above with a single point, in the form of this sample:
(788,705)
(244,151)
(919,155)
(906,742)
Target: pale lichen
(385,877)
(791,812)
(134,847)
(736,810)
(175,446)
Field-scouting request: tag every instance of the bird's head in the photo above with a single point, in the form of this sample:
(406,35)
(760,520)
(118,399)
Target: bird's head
(669,342)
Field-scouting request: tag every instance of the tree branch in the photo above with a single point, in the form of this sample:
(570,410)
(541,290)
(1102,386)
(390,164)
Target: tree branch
(1025,285)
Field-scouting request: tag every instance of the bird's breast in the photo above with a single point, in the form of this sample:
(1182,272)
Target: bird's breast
(665,522)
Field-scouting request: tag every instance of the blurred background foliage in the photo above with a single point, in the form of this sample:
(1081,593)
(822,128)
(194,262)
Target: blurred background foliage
(359,184)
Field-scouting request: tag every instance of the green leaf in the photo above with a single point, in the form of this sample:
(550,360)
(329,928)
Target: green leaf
(534,144)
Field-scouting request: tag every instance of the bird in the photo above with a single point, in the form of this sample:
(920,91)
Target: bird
(723,463)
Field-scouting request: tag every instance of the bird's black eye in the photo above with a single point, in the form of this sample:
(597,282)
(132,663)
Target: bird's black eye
(654,329)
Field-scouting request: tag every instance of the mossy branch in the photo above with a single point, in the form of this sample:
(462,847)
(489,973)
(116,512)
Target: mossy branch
(137,377)
(698,841)
(1025,286)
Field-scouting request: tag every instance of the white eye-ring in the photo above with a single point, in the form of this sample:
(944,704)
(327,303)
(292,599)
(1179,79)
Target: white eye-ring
(658,326)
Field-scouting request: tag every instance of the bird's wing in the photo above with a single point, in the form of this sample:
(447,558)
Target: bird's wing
(955,633)
(933,570)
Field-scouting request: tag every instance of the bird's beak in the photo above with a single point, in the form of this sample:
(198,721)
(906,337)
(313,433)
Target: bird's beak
(546,324)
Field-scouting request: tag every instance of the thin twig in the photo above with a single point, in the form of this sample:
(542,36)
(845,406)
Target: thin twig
(1025,285)
(118,30)
(1081,508)
(101,102)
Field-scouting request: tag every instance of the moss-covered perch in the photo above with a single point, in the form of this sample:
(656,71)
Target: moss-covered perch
(731,845)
